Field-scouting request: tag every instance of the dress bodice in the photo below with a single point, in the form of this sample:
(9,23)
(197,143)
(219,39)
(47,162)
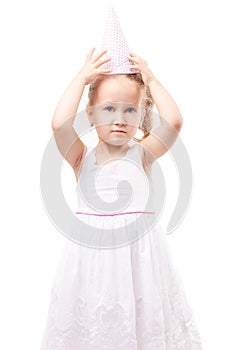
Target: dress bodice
(118,186)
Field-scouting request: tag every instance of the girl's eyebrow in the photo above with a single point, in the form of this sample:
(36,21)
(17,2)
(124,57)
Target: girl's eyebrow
(115,104)
(108,101)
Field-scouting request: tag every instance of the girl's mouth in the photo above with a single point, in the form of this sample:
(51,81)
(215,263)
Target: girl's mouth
(119,131)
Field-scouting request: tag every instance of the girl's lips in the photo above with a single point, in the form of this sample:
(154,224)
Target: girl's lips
(119,131)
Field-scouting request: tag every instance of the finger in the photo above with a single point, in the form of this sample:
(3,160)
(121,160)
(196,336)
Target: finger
(105,71)
(99,55)
(98,64)
(134,56)
(90,53)
(134,59)
(137,66)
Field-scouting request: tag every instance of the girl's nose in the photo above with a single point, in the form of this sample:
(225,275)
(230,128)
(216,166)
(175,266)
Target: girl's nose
(119,117)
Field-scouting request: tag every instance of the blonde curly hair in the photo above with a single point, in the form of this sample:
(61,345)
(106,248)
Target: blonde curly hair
(147,100)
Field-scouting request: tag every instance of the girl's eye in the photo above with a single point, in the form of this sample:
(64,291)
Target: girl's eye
(130,110)
(109,108)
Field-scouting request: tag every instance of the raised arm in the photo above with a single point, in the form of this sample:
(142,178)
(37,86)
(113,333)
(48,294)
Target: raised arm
(67,140)
(163,137)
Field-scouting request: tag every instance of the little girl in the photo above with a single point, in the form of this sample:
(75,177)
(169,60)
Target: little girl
(129,296)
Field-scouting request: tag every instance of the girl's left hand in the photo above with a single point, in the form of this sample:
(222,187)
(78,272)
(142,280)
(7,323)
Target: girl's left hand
(141,65)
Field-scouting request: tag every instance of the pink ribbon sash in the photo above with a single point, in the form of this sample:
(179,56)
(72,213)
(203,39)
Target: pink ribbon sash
(128,212)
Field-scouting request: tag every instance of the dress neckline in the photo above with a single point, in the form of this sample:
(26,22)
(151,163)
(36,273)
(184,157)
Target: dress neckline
(111,162)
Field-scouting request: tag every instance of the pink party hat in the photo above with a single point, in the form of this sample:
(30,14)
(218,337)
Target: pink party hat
(114,41)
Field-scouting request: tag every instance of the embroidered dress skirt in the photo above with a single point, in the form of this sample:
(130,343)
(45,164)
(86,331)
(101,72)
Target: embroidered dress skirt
(127,298)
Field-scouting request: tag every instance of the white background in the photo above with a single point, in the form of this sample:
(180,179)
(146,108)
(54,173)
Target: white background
(188,45)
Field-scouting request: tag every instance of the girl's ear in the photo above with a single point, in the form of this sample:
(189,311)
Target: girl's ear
(89,115)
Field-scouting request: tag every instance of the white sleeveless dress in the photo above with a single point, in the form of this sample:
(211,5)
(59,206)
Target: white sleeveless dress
(129,297)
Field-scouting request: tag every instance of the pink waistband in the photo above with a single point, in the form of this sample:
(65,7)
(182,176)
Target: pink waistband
(128,212)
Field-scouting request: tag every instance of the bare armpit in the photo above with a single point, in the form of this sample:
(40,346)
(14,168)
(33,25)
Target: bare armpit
(146,163)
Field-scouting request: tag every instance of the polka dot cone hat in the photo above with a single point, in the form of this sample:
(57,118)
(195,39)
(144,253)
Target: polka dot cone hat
(114,41)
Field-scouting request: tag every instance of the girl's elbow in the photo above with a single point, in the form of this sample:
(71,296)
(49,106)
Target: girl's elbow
(178,123)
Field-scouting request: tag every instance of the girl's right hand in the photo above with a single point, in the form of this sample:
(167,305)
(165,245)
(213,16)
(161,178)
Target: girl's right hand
(91,68)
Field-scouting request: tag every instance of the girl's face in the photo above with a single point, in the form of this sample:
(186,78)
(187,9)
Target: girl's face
(117,107)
